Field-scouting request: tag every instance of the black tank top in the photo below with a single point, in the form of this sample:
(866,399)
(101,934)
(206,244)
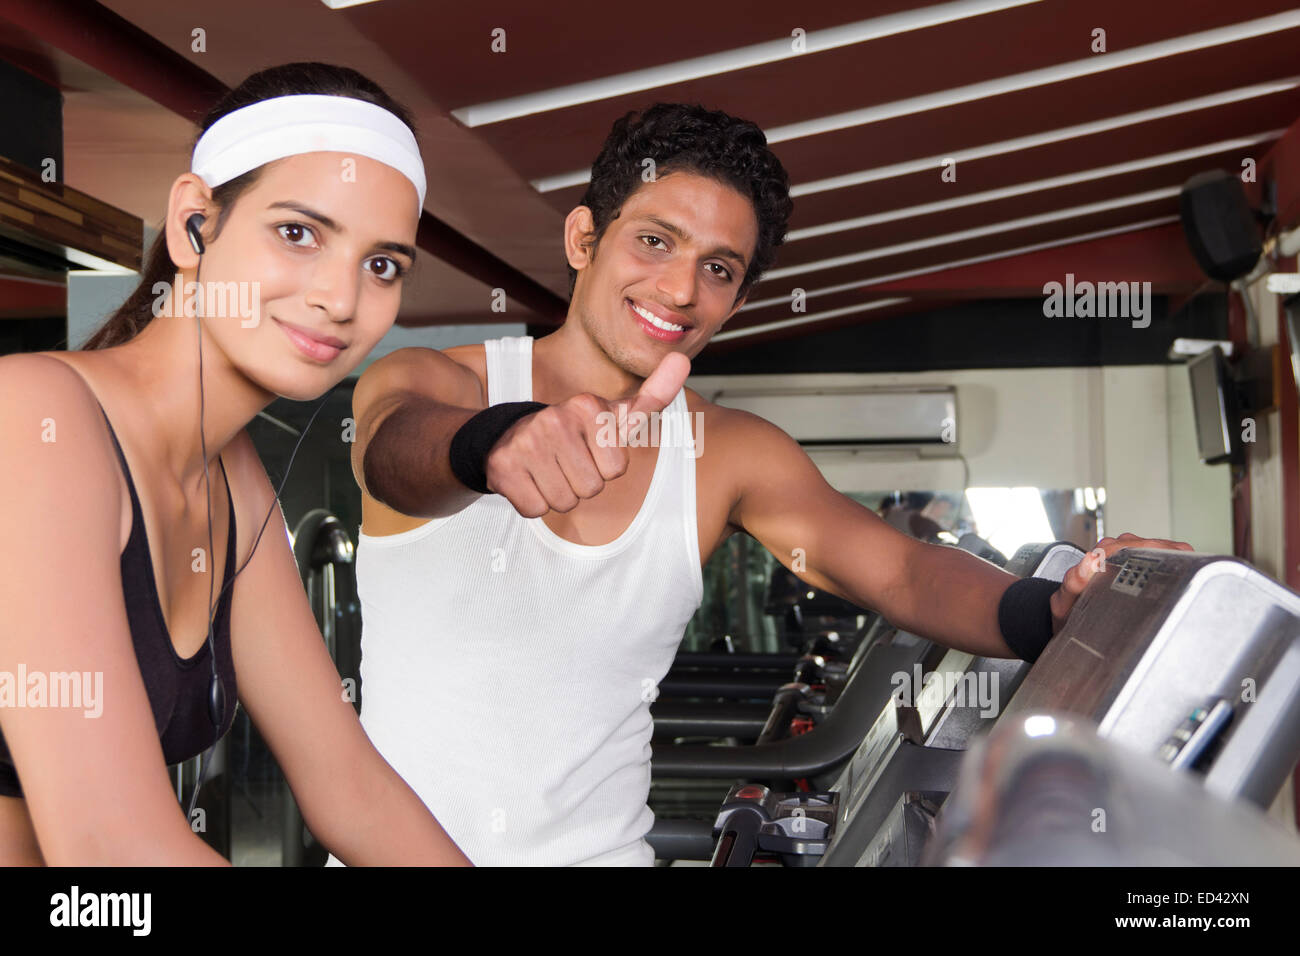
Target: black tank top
(177,686)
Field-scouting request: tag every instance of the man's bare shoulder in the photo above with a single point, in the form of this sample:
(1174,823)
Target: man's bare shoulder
(734,424)
(731,442)
(474,358)
(712,413)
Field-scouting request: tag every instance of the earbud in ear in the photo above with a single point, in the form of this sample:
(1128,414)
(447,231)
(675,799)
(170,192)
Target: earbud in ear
(192,230)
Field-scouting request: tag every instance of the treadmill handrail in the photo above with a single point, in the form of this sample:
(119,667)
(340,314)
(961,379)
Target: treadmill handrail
(831,742)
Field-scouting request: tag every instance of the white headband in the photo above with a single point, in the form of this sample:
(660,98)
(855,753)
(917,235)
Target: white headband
(289,125)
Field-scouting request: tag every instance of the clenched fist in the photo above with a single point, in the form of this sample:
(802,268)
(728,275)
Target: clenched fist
(559,455)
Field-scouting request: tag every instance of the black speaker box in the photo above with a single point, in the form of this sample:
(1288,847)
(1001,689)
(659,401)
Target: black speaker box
(1220,225)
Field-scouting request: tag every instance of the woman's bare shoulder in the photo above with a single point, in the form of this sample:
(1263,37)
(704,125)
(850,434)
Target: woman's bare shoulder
(56,367)
(55,439)
(45,400)
(39,384)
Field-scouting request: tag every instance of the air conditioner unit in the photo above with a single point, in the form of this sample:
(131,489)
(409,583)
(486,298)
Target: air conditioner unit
(897,416)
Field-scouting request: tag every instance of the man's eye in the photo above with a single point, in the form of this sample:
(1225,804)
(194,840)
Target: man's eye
(653,239)
(723,272)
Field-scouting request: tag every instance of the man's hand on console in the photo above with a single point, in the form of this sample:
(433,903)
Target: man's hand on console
(1093,563)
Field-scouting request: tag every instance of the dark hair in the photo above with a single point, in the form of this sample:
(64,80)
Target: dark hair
(685,138)
(289,79)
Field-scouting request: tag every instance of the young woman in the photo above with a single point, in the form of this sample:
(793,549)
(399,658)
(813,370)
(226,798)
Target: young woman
(131,495)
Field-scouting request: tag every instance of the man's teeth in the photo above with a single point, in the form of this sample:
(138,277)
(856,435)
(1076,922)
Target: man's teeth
(656,321)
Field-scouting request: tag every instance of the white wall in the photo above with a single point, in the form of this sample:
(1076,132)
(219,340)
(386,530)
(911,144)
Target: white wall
(1127,429)
(1133,415)
(92,298)
(1200,495)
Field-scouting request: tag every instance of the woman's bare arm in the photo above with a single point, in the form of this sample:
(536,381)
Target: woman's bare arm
(93,774)
(351,799)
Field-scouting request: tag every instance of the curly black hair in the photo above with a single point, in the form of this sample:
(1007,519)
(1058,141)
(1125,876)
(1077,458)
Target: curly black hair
(689,138)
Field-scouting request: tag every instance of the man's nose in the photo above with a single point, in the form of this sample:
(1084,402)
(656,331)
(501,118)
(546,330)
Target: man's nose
(678,279)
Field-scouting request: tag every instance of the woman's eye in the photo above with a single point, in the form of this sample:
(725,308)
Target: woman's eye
(298,229)
(391,274)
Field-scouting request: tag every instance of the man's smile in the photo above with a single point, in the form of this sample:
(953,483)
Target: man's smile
(655,323)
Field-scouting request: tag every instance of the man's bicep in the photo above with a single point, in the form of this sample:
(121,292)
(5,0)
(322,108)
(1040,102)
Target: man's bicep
(829,540)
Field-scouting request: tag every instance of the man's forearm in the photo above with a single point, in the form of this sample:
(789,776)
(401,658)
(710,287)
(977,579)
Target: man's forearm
(406,464)
(954,600)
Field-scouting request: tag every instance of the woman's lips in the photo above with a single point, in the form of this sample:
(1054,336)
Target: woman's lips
(309,346)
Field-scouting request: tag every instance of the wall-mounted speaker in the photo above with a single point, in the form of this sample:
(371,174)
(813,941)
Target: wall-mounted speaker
(1220,225)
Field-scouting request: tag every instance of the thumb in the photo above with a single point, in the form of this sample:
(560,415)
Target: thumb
(1073,584)
(1077,578)
(658,391)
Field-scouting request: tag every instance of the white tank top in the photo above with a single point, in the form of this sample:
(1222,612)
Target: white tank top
(507,673)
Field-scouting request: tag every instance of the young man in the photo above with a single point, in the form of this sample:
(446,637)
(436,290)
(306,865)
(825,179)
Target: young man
(526,574)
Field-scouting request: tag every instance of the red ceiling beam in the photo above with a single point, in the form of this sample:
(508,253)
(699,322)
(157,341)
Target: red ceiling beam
(440,240)
(925,304)
(118,48)
(1159,255)
(1282,166)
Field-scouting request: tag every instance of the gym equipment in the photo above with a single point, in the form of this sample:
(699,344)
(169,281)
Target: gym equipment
(863,700)
(215,798)
(1044,790)
(1192,657)
(1189,659)
(811,620)
(826,629)
(907,763)
(794,826)
(319,544)
(880,648)
(805,613)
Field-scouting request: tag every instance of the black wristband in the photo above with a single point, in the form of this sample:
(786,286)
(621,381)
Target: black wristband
(1025,616)
(473,440)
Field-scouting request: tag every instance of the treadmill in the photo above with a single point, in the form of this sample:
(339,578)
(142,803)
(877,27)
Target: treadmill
(1049,791)
(1186,661)
(861,733)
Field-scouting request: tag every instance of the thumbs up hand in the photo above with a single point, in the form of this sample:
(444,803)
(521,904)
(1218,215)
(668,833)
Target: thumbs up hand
(559,455)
